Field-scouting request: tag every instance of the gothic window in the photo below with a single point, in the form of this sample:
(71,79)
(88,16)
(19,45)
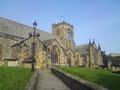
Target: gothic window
(77,59)
(84,60)
(58,32)
(69,36)
(54,55)
(95,57)
(69,59)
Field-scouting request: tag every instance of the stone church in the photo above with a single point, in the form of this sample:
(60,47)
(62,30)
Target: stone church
(51,49)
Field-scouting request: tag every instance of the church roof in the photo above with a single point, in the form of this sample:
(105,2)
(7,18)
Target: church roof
(114,62)
(83,49)
(47,42)
(114,54)
(20,30)
(20,42)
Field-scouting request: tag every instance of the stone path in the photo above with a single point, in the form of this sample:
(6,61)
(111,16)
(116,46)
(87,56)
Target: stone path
(48,81)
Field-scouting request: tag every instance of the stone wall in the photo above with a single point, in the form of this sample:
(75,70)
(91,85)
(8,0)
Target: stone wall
(5,48)
(2,63)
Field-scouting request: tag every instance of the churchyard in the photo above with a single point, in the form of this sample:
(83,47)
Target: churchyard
(101,77)
(14,78)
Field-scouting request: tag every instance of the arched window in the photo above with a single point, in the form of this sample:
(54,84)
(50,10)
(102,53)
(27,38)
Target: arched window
(54,55)
(77,59)
(69,59)
(84,60)
(69,36)
(58,32)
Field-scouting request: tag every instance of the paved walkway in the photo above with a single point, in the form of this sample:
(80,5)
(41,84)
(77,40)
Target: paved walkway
(48,81)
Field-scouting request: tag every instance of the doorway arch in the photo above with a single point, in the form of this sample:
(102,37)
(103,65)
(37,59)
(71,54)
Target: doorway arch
(77,61)
(69,61)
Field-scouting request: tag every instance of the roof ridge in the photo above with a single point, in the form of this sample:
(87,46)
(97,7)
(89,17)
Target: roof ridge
(82,45)
(22,24)
(15,22)
(18,29)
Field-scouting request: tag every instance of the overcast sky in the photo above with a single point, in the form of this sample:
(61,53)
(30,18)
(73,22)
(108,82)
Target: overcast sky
(98,19)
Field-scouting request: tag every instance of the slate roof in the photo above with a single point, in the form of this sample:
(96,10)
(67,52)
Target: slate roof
(114,62)
(114,54)
(83,49)
(20,30)
(20,42)
(47,42)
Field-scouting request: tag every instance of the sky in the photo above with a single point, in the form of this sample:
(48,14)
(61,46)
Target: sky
(92,19)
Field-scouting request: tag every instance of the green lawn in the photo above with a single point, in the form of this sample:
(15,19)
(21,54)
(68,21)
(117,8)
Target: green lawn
(14,78)
(101,77)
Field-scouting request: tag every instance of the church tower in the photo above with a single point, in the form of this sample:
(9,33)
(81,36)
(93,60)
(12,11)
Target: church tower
(64,32)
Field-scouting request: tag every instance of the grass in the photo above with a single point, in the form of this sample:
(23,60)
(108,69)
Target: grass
(101,77)
(14,78)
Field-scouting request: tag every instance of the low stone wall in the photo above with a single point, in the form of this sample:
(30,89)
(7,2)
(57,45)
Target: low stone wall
(2,63)
(33,81)
(74,82)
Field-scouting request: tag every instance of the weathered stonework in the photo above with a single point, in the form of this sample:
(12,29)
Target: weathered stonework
(5,47)
(64,33)
(56,49)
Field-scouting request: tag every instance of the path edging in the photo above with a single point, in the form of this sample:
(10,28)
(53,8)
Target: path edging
(33,81)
